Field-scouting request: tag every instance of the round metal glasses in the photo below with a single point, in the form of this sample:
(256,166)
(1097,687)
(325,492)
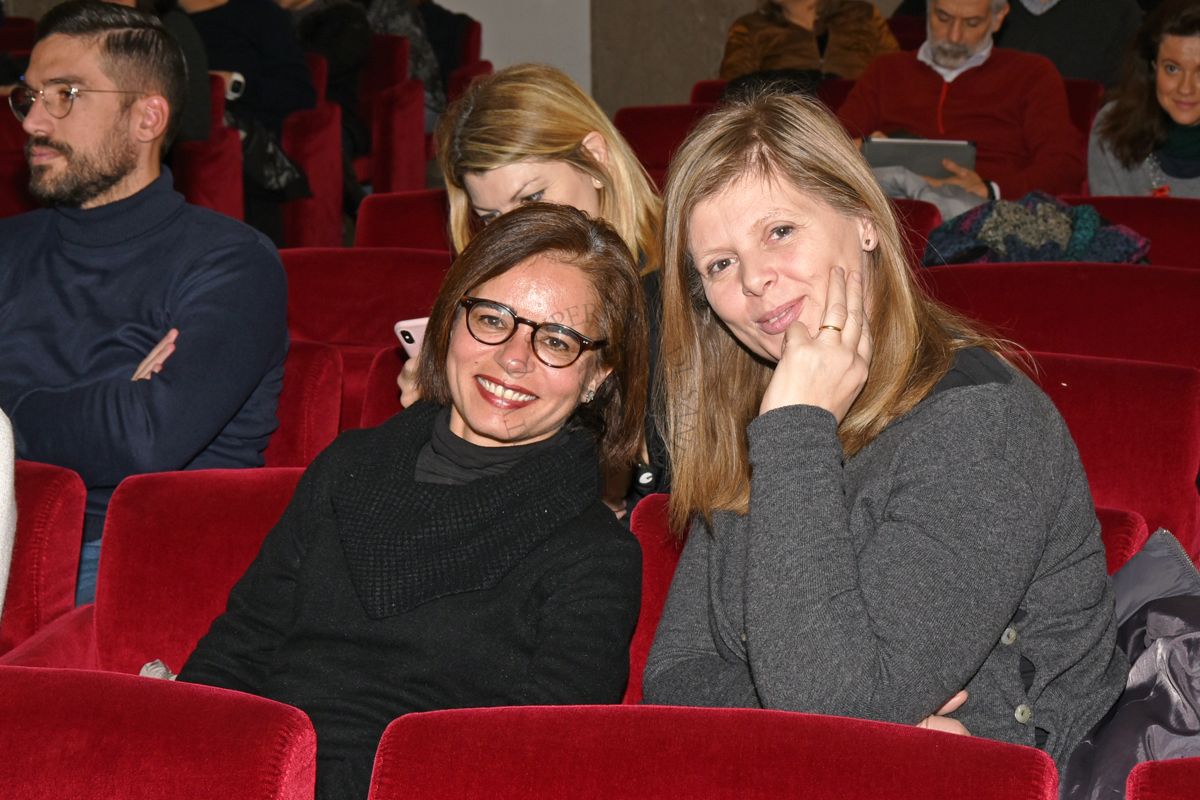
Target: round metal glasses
(57,97)
(554,345)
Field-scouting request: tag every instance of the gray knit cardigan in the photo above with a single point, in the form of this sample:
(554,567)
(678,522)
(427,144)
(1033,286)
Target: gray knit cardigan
(959,544)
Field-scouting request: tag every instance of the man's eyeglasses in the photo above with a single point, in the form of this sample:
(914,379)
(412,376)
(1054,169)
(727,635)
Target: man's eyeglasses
(58,97)
(554,345)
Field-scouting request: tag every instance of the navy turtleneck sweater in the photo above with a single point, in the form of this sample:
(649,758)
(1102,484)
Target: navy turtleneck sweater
(86,294)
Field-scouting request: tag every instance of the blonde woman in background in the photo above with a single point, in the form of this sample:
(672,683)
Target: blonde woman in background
(529,133)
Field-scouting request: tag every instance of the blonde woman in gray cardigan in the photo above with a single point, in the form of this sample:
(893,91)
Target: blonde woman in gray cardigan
(8,505)
(884,511)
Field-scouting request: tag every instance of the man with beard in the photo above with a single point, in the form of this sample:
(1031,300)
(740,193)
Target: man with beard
(1012,105)
(137,333)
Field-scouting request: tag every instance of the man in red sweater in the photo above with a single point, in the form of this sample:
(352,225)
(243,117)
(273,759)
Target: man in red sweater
(1012,105)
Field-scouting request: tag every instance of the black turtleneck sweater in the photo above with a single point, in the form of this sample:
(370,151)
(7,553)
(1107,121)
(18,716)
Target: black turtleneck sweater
(85,296)
(378,594)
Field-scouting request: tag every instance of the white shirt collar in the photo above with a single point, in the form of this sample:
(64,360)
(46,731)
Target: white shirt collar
(925,55)
(1039,7)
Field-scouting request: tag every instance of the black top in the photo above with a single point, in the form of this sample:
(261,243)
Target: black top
(256,38)
(451,460)
(377,595)
(195,121)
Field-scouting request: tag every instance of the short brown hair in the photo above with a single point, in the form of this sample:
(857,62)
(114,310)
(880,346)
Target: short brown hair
(570,237)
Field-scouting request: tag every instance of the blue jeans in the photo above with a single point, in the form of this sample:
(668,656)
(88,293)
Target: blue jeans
(89,561)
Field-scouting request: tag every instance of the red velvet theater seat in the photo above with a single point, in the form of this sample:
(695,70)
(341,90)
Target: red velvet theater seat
(313,139)
(387,66)
(174,545)
(1124,533)
(834,91)
(655,133)
(398,148)
(418,219)
(381,397)
(352,298)
(463,76)
(1168,222)
(665,753)
(45,559)
(707,91)
(660,554)
(917,220)
(209,173)
(89,735)
(1175,779)
(1137,427)
(1114,310)
(310,405)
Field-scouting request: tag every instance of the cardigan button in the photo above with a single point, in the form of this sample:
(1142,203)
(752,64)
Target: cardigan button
(1009,636)
(1023,714)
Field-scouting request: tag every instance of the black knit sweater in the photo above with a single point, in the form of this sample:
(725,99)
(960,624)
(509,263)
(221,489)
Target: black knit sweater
(377,595)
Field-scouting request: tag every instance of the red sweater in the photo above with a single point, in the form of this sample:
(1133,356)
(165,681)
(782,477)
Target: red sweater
(1013,106)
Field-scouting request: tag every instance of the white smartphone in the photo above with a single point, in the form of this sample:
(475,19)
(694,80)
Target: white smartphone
(411,332)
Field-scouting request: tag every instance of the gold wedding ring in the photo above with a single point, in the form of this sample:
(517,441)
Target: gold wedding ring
(830,328)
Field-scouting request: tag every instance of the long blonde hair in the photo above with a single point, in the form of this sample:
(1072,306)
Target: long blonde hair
(713,384)
(536,112)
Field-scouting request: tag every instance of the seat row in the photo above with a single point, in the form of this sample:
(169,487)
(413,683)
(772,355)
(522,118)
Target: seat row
(76,734)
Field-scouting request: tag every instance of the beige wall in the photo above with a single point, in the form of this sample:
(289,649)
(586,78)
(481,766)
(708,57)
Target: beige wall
(648,52)
(28,8)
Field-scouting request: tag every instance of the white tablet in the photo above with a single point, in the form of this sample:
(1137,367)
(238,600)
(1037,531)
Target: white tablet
(922,156)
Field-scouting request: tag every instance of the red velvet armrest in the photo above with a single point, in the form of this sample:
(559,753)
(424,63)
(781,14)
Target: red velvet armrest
(69,642)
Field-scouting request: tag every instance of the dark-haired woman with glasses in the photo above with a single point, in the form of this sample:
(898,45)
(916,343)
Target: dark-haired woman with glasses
(460,555)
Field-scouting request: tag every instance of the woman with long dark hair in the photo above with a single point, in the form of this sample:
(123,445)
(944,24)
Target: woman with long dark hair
(1147,140)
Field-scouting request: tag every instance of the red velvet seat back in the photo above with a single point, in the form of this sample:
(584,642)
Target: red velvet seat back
(318,73)
(655,752)
(381,398)
(834,91)
(77,734)
(462,77)
(1123,532)
(1137,427)
(1115,310)
(17,33)
(1169,222)
(1084,99)
(353,297)
(660,554)
(707,91)
(14,170)
(209,173)
(310,405)
(45,559)
(472,42)
(387,66)
(1174,779)
(14,184)
(398,151)
(313,139)
(174,545)
(917,220)
(418,219)
(656,132)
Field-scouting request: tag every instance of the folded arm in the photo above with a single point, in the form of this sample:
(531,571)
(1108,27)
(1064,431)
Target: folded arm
(230,312)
